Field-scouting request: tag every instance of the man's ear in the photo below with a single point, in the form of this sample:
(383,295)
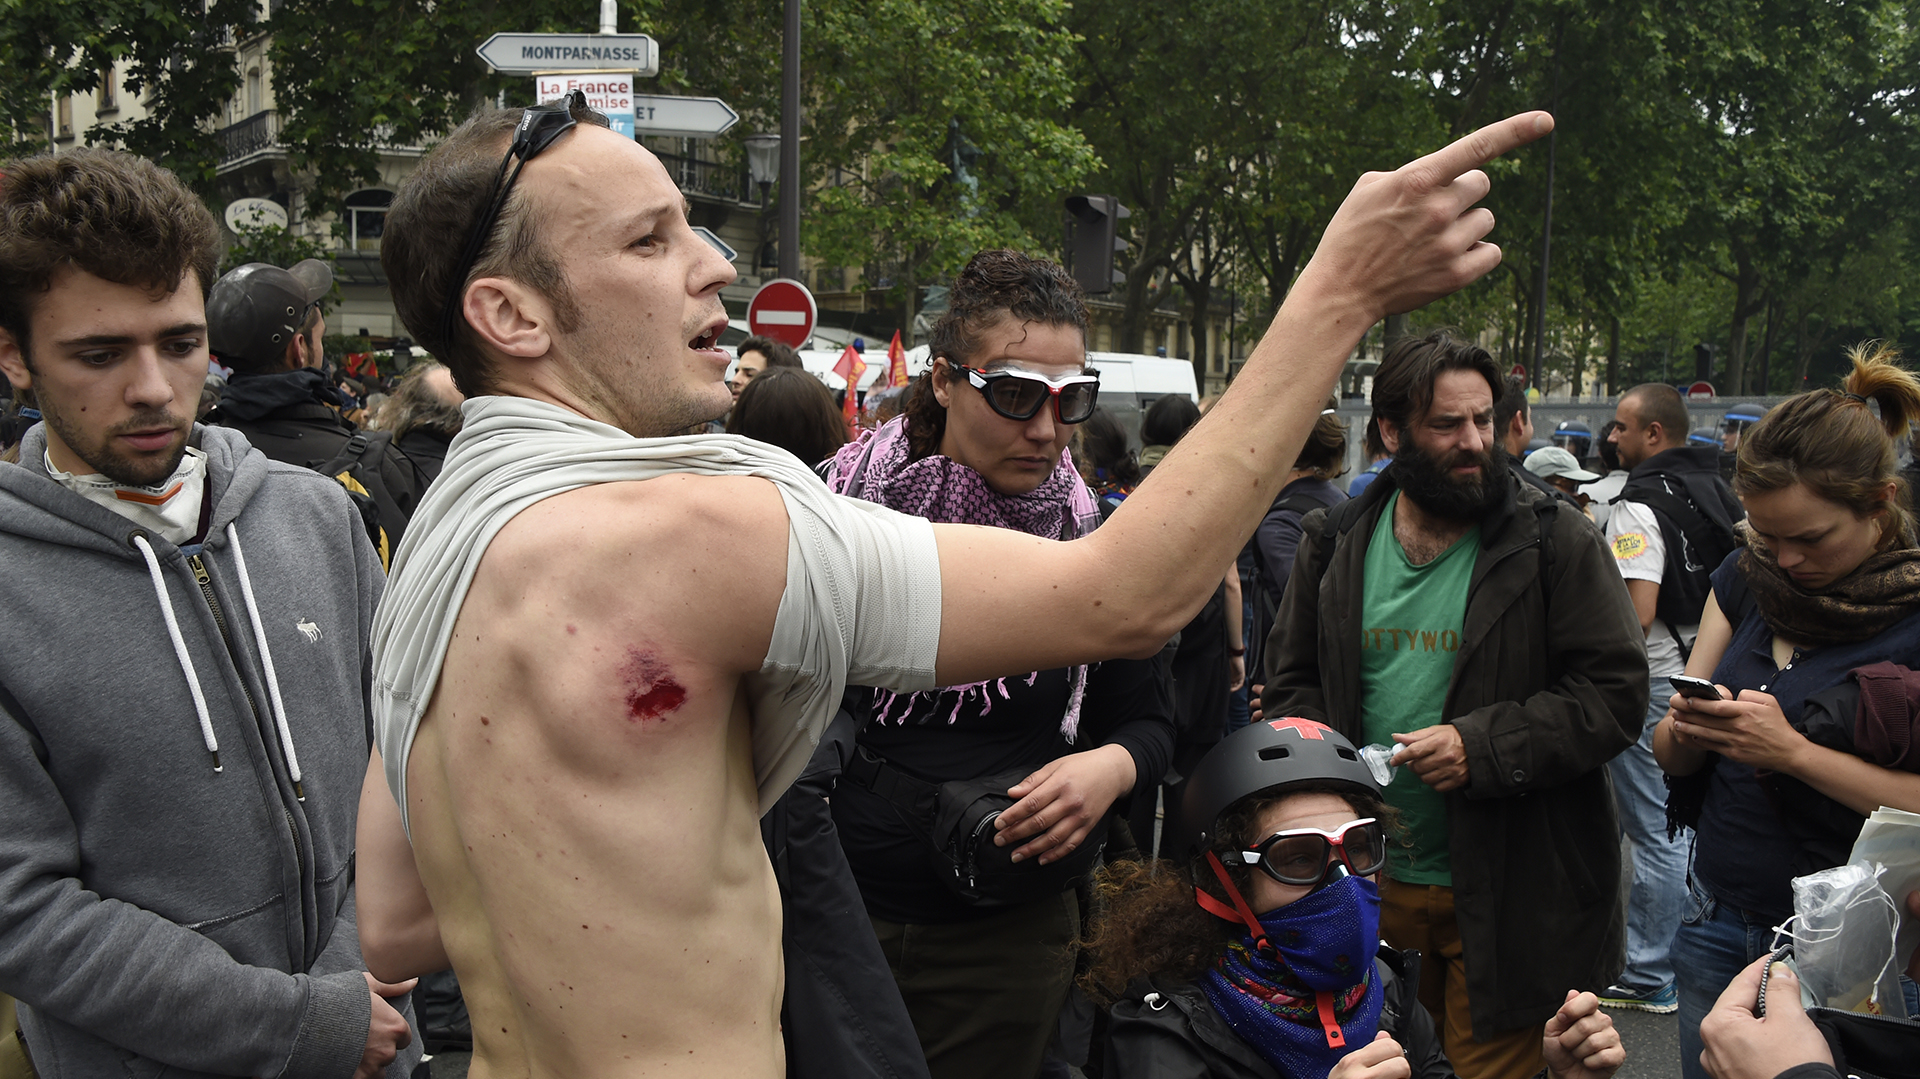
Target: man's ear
(509,317)
(13,362)
(1389,435)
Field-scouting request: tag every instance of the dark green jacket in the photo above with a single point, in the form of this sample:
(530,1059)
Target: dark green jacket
(1535,844)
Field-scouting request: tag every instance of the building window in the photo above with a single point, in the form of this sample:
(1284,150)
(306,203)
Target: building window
(63,116)
(367,219)
(109,90)
(253,90)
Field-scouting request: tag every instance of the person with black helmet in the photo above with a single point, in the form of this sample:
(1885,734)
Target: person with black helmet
(265,323)
(1231,972)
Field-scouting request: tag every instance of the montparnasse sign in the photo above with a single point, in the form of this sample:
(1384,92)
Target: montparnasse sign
(529,54)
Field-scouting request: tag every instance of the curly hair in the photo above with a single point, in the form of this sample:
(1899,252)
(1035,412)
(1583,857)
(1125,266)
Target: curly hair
(1147,921)
(995,285)
(1831,441)
(118,217)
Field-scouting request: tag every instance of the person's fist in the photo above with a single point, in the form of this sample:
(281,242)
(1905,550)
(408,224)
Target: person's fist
(1580,1041)
(387,1030)
(1381,1059)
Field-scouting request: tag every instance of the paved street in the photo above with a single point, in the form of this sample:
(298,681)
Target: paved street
(1653,1045)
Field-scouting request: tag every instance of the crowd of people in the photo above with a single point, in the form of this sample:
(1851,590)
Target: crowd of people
(600,715)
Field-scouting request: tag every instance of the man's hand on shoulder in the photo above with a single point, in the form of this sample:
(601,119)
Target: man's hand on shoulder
(387,1031)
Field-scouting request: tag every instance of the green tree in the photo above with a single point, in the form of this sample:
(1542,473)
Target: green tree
(937,129)
(175,66)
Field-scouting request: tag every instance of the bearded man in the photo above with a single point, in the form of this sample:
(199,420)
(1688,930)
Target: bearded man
(1479,628)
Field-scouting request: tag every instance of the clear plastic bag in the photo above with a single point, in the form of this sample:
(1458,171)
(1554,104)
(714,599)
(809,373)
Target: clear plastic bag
(1379,760)
(1891,838)
(1843,930)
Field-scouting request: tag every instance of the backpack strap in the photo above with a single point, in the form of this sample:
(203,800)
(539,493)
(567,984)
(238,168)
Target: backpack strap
(1545,513)
(1300,502)
(367,450)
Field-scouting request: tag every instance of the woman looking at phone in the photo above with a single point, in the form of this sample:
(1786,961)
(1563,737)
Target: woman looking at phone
(1829,581)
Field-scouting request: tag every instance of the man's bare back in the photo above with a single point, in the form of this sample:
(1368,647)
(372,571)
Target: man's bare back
(582,797)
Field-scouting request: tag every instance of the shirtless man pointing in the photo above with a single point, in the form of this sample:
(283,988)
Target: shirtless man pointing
(603,652)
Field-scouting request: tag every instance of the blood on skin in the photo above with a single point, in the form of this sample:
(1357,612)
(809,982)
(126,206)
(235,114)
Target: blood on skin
(651,690)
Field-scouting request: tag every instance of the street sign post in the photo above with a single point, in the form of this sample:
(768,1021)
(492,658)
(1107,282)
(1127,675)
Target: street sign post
(686,117)
(531,54)
(783,309)
(716,242)
(1701,391)
(610,94)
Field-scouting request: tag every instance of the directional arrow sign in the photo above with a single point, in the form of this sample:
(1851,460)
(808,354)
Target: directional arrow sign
(528,54)
(719,245)
(688,117)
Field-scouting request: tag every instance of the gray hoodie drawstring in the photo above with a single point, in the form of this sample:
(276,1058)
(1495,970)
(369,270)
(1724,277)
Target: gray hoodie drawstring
(266,661)
(180,648)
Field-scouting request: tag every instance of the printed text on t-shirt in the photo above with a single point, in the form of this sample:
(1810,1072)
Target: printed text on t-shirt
(1390,640)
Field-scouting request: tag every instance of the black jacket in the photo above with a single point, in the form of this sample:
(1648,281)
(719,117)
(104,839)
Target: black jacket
(1169,1030)
(1548,685)
(428,452)
(289,416)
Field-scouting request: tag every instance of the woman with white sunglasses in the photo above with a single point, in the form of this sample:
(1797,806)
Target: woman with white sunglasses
(980,930)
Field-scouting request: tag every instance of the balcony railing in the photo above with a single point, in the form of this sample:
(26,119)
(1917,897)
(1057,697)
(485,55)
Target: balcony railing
(250,136)
(710,178)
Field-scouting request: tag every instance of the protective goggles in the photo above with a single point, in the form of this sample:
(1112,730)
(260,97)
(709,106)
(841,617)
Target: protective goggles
(540,126)
(1301,855)
(1019,395)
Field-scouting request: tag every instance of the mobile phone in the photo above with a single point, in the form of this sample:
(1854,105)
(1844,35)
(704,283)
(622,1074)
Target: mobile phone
(1696,688)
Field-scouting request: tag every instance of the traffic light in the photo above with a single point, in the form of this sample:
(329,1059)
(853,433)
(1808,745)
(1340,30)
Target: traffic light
(1091,241)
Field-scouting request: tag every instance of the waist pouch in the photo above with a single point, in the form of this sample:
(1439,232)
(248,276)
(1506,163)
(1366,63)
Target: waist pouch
(956,818)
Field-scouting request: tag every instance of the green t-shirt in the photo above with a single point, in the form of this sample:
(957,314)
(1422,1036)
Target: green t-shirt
(1412,617)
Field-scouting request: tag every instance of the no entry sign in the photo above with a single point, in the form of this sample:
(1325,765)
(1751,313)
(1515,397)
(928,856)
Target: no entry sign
(783,309)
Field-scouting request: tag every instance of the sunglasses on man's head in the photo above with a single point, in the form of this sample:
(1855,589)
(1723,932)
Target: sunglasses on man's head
(1301,855)
(1019,395)
(540,126)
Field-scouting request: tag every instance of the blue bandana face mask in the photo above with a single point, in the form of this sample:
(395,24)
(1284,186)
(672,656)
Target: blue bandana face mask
(1312,996)
(1328,937)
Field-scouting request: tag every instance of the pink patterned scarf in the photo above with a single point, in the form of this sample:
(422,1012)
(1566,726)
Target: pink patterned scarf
(942,490)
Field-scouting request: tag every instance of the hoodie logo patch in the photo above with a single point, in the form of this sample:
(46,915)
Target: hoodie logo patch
(311,630)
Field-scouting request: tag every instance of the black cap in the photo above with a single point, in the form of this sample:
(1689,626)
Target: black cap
(256,309)
(1265,756)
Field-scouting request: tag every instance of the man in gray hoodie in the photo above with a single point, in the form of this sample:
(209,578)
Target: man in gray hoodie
(181,740)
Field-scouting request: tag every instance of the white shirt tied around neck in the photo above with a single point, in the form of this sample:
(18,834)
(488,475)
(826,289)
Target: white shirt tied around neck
(862,599)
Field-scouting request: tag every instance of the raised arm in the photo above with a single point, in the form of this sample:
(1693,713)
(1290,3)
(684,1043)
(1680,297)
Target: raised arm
(1401,239)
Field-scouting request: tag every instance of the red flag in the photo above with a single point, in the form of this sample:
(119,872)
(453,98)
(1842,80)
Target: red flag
(896,362)
(851,366)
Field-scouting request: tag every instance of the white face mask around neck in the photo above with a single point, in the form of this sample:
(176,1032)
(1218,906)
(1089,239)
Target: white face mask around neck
(170,508)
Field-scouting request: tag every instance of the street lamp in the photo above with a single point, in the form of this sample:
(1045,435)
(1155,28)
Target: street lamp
(763,161)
